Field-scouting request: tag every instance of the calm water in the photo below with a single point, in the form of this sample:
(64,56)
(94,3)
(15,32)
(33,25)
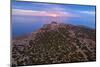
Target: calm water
(25,25)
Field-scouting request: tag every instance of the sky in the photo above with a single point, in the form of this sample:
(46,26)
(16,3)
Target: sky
(61,12)
(30,7)
(30,16)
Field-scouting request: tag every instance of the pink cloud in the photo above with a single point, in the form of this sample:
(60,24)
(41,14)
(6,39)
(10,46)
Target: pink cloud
(56,13)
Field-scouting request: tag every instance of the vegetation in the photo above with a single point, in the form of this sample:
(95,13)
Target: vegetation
(55,43)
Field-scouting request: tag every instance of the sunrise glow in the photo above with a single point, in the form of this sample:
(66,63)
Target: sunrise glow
(53,15)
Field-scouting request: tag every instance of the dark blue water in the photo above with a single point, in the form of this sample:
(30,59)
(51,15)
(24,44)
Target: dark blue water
(26,25)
